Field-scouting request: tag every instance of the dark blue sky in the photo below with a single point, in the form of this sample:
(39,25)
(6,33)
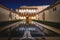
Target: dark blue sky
(17,3)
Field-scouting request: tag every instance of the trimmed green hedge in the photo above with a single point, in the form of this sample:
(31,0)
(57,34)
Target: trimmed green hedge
(5,23)
(54,24)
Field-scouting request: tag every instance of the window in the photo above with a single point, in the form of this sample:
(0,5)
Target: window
(54,9)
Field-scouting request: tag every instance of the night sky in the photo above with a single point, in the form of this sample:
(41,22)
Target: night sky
(17,3)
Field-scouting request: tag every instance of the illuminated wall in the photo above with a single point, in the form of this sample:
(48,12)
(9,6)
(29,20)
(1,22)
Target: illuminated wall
(4,14)
(7,14)
(38,7)
(51,14)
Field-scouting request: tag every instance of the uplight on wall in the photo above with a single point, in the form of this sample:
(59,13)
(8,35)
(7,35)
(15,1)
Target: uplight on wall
(33,17)
(22,17)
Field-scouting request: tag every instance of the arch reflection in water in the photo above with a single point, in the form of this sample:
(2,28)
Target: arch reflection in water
(28,28)
(27,36)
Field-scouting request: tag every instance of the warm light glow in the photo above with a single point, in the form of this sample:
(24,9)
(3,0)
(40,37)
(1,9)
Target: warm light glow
(22,17)
(28,11)
(32,17)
